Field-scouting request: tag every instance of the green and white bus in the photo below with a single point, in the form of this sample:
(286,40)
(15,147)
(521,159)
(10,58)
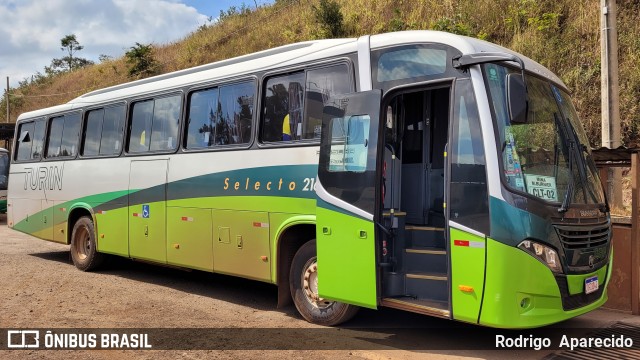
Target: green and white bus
(417,170)
(4,179)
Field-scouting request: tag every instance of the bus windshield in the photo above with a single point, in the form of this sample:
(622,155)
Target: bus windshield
(4,170)
(547,157)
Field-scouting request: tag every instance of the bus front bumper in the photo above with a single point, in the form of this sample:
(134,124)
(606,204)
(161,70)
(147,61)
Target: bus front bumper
(521,292)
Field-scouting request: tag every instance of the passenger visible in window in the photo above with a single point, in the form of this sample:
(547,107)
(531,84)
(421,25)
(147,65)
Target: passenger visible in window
(286,129)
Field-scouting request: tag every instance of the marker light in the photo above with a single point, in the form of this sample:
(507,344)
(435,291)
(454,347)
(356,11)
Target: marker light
(545,254)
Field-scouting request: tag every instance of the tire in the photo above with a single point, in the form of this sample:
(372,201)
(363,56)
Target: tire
(303,274)
(84,251)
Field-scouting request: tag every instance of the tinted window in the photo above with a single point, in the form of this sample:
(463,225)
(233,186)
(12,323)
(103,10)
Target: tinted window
(154,124)
(347,162)
(111,141)
(322,84)
(38,139)
(411,63)
(56,125)
(405,64)
(141,120)
(293,103)
(69,143)
(233,125)
(283,102)
(63,135)
(469,194)
(24,141)
(166,117)
(93,132)
(221,116)
(203,106)
(4,170)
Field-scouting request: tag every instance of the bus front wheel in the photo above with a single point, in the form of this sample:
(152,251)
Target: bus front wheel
(304,290)
(84,252)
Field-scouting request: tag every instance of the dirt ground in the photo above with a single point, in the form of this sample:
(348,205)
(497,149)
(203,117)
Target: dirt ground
(40,288)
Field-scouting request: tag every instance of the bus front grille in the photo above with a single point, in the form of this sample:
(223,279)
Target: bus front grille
(584,236)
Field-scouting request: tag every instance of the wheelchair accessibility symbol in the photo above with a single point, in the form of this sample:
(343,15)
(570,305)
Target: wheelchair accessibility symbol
(145,211)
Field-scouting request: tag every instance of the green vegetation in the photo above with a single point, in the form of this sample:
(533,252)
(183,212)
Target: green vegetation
(330,19)
(141,61)
(560,34)
(70,44)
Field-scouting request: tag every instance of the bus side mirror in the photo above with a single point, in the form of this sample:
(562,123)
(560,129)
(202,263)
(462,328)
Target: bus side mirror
(517,98)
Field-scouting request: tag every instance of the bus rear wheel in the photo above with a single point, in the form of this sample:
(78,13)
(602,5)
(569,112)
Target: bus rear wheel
(84,251)
(304,290)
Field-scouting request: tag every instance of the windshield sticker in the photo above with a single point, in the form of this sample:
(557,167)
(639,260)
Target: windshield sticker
(493,74)
(512,170)
(519,183)
(542,186)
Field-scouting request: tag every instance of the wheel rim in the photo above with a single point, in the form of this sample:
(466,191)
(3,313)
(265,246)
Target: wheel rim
(310,285)
(82,243)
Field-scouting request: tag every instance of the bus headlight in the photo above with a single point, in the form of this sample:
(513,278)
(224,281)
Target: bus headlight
(545,254)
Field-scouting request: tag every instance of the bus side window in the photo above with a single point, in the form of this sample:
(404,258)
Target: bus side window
(166,118)
(56,125)
(92,132)
(69,141)
(63,136)
(37,139)
(235,115)
(321,85)
(112,126)
(141,118)
(24,141)
(203,105)
(283,105)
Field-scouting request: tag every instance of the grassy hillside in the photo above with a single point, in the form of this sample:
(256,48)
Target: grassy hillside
(561,34)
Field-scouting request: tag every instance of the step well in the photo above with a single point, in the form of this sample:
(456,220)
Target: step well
(426,307)
(427,286)
(425,259)
(425,236)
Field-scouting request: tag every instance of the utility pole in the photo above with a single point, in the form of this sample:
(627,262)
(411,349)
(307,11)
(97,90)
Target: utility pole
(7,93)
(610,91)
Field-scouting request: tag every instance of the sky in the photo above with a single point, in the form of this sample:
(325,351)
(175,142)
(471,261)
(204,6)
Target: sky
(30,30)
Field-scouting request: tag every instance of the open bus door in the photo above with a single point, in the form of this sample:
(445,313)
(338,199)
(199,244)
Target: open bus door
(347,195)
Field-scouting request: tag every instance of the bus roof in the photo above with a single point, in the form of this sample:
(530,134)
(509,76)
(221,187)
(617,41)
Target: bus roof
(279,57)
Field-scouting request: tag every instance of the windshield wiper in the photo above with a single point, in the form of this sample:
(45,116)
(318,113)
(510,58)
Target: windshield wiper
(567,197)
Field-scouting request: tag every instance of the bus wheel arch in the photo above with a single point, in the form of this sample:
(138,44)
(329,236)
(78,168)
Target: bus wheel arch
(75,214)
(289,241)
(84,249)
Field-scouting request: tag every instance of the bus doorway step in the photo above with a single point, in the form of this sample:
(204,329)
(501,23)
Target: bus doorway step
(420,306)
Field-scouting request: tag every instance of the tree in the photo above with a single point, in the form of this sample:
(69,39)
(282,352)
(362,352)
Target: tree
(141,61)
(330,18)
(70,44)
(104,58)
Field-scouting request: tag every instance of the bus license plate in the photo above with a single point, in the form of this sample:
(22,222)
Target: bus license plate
(590,284)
